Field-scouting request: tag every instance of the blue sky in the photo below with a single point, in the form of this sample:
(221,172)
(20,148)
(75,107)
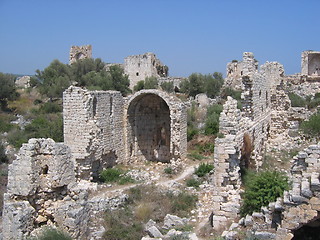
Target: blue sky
(188,36)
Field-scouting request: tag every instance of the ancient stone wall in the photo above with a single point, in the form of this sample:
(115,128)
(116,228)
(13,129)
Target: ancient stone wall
(156,126)
(237,69)
(42,171)
(93,129)
(80,52)
(295,214)
(103,129)
(138,67)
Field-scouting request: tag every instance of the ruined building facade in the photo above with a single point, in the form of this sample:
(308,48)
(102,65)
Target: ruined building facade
(102,128)
(48,182)
(138,67)
(80,52)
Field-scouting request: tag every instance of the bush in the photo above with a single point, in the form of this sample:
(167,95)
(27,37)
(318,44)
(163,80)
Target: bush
(203,169)
(52,234)
(168,170)
(167,86)
(261,189)
(312,126)
(296,100)
(110,175)
(5,125)
(191,182)
(139,86)
(115,175)
(212,122)
(151,83)
(194,155)
(50,107)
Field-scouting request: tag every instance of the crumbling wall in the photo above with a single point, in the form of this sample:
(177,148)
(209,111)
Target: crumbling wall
(93,129)
(138,67)
(310,63)
(80,52)
(299,207)
(156,124)
(237,69)
(40,178)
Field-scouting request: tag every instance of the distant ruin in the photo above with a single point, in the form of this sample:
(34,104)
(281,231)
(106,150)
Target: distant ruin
(49,183)
(139,67)
(80,52)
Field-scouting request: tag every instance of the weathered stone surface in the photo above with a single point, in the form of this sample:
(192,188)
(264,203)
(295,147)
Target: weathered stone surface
(171,221)
(80,52)
(154,232)
(18,217)
(138,67)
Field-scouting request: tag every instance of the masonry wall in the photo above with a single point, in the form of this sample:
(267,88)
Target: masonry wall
(138,67)
(156,125)
(93,129)
(80,52)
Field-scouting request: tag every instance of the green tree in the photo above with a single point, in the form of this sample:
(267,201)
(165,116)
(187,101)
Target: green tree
(7,89)
(82,67)
(212,121)
(119,80)
(199,83)
(54,79)
(261,189)
(312,126)
(213,84)
(139,86)
(151,83)
(167,86)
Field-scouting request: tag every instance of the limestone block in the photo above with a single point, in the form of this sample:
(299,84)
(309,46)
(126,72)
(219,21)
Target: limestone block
(154,232)
(18,217)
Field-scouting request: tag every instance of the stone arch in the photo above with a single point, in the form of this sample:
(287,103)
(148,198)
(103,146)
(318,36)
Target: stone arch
(154,122)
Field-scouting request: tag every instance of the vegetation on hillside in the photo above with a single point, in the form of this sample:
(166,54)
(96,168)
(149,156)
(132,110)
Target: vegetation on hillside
(262,188)
(145,202)
(90,73)
(198,83)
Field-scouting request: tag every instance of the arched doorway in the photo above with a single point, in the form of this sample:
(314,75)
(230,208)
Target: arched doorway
(149,130)
(308,231)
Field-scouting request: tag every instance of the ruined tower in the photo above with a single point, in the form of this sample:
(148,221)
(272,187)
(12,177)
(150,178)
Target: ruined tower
(80,52)
(138,67)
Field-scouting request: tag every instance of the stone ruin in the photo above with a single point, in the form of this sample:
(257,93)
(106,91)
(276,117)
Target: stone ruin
(138,67)
(310,65)
(102,128)
(47,183)
(80,52)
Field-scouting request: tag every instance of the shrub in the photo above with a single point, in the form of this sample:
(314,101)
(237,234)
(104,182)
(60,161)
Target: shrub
(52,234)
(212,122)
(5,125)
(110,175)
(50,107)
(139,86)
(206,148)
(261,189)
(312,126)
(191,182)
(195,156)
(183,203)
(203,169)
(168,170)
(167,86)
(296,100)
(115,175)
